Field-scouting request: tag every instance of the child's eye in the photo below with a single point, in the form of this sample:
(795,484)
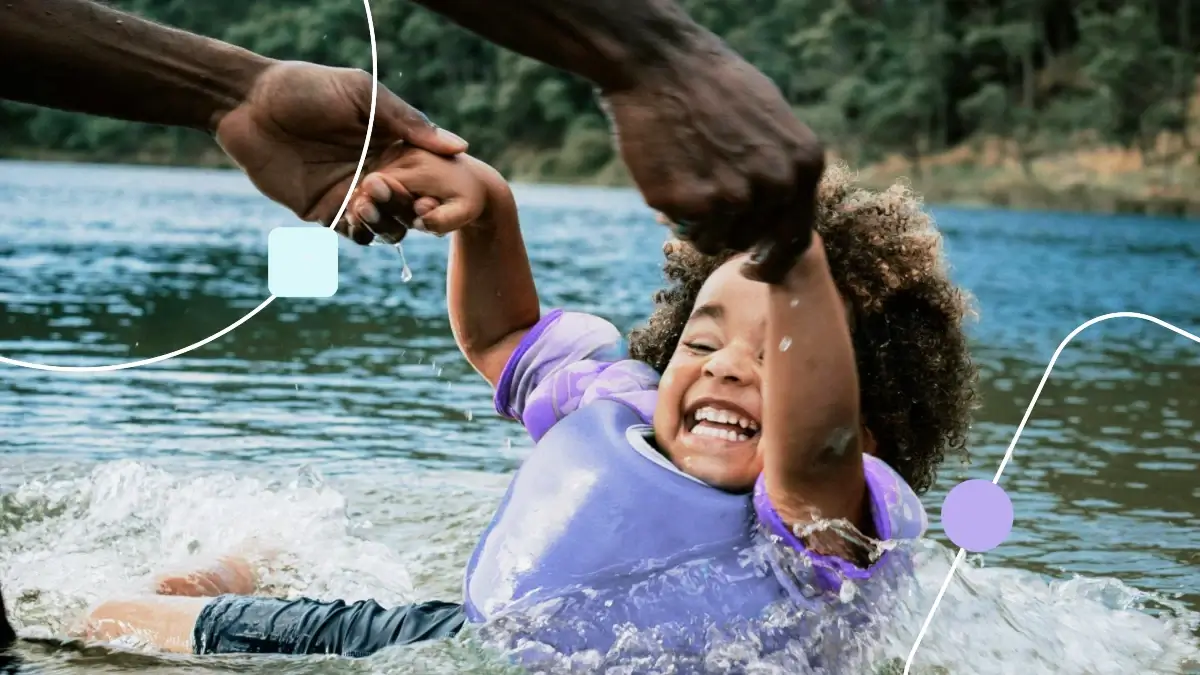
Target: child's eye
(699,347)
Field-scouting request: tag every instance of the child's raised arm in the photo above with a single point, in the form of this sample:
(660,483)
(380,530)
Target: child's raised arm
(489,284)
(811,438)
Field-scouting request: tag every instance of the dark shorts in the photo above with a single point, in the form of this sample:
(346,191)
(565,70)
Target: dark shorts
(233,624)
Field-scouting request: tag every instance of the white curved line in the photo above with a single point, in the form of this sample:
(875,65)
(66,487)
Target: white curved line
(196,345)
(1021,427)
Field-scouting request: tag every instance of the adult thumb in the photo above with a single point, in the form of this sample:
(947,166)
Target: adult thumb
(770,261)
(410,125)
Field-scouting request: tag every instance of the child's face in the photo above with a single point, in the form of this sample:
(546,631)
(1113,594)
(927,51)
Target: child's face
(710,398)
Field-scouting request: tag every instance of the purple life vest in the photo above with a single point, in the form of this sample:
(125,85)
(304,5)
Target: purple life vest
(593,538)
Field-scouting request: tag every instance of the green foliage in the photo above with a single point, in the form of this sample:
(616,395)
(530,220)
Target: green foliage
(871,76)
(1133,72)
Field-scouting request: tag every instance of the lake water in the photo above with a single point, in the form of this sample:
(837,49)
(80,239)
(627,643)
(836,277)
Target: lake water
(349,432)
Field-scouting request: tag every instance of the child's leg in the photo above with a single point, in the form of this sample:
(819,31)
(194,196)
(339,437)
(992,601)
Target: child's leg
(234,624)
(239,625)
(228,575)
(164,622)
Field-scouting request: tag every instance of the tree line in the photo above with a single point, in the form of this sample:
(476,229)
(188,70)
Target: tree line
(872,77)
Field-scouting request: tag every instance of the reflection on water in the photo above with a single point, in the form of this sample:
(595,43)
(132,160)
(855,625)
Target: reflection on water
(101,265)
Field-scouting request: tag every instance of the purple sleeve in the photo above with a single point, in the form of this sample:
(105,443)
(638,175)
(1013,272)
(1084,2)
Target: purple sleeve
(567,360)
(896,512)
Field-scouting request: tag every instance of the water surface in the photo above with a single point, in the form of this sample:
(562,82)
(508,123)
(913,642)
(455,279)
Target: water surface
(349,433)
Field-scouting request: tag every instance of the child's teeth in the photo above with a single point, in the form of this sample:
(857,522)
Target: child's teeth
(717,416)
(724,434)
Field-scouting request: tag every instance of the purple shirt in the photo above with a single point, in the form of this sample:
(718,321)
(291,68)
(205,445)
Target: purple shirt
(570,359)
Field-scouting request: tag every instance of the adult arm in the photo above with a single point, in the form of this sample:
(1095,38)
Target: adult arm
(709,140)
(297,129)
(611,43)
(84,57)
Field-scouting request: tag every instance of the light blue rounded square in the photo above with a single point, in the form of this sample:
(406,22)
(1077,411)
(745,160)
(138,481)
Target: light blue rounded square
(302,262)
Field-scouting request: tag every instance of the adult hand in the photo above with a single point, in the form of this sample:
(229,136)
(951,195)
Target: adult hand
(299,134)
(714,146)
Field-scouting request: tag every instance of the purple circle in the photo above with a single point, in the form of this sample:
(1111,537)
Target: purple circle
(977,515)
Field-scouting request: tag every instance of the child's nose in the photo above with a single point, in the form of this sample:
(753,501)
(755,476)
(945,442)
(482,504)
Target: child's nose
(731,367)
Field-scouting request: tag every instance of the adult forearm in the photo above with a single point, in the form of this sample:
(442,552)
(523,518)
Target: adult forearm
(612,43)
(81,56)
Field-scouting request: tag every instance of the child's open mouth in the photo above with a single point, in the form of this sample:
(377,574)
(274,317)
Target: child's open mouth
(721,423)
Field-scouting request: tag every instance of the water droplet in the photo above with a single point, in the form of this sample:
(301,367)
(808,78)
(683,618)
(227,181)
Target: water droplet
(380,240)
(785,344)
(405,272)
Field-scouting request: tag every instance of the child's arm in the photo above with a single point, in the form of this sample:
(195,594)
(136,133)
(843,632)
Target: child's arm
(489,286)
(542,367)
(811,440)
(489,283)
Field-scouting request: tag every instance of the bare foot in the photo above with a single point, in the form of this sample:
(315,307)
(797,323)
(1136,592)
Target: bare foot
(166,623)
(230,574)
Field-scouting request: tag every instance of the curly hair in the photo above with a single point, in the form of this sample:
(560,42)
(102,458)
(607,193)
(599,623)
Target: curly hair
(916,378)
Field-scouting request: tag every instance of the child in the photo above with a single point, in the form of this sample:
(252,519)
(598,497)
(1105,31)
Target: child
(676,491)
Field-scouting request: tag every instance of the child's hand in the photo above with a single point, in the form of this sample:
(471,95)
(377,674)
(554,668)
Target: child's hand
(444,193)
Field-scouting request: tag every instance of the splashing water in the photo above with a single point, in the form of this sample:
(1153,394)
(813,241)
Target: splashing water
(70,537)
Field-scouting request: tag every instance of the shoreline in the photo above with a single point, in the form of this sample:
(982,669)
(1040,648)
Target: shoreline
(961,185)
